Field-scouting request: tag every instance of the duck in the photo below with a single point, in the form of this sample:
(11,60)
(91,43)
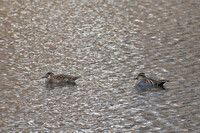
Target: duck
(60,78)
(144,83)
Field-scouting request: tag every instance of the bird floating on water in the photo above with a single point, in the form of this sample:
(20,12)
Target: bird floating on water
(144,83)
(61,78)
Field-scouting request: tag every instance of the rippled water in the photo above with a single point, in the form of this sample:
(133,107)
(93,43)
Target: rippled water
(107,43)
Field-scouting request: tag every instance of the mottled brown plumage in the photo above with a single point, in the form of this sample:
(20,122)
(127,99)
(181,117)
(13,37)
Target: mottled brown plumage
(60,78)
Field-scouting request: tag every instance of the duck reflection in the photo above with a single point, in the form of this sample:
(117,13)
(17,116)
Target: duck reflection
(51,85)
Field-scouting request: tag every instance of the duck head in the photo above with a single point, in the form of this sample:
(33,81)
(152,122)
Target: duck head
(140,76)
(49,74)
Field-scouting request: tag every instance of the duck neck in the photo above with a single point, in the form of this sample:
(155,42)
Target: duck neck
(143,76)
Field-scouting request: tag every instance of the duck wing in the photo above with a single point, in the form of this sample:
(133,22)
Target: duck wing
(60,77)
(149,82)
(71,78)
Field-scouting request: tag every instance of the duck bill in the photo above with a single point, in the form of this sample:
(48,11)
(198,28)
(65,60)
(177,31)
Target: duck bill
(135,78)
(45,76)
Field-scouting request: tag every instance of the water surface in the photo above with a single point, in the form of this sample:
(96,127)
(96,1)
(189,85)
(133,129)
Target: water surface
(107,43)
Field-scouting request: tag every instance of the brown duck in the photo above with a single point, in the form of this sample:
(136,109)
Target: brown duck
(61,78)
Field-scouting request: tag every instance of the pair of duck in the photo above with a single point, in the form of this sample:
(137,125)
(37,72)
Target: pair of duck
(142,82)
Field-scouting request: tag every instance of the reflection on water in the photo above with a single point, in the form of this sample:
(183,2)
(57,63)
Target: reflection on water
(108,43)
(51,86)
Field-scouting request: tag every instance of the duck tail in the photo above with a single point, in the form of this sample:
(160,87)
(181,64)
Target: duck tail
(73,78)
(162,82)
(77,77)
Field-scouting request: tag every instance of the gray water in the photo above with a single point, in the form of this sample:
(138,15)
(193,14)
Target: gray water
(107,43)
